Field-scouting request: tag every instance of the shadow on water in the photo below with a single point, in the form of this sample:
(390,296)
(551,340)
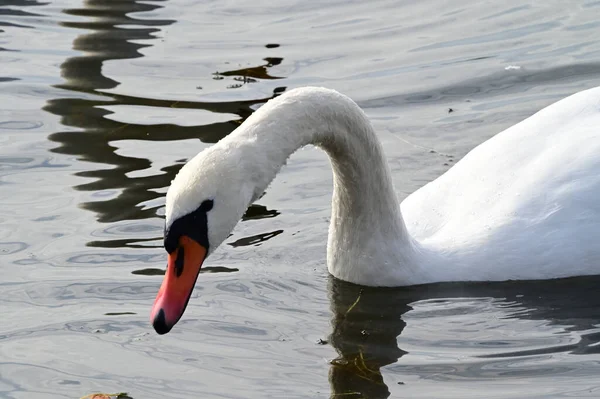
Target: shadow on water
(367,321)
(113,33)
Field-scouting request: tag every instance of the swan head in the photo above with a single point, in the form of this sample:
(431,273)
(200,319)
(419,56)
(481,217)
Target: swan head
(205,201)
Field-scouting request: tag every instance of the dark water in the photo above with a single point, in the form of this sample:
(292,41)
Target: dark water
(101,103)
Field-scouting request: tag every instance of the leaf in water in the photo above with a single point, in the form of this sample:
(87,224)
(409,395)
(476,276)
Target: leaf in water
(122,395)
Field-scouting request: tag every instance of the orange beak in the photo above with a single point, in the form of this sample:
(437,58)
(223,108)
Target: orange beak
(183,268)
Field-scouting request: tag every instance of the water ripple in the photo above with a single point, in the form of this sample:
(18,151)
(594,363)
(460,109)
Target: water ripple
(101,106)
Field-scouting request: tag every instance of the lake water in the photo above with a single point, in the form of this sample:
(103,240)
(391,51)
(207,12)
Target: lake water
(102,101)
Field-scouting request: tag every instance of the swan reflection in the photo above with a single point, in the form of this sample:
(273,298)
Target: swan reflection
(367,323)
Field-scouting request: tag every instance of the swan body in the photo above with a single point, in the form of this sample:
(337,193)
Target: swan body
(522,205)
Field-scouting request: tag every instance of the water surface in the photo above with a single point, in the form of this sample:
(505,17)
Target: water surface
(101,103)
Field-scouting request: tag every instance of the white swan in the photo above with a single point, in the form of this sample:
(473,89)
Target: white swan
(523,205)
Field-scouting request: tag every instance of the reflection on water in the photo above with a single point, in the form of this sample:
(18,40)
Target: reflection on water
(115,34)
(255,239)
(16,12)
(368,324)
(250,75)
(205,269)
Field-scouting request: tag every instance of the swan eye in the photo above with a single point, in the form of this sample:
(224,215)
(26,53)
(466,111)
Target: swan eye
(207,205)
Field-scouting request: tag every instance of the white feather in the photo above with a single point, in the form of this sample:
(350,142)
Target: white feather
(522,205)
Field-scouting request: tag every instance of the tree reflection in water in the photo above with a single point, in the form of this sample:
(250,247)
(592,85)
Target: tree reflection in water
(113,33)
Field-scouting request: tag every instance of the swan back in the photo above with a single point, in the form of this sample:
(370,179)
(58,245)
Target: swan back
(527,196)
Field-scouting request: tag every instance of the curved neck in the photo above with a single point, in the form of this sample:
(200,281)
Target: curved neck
(368,240)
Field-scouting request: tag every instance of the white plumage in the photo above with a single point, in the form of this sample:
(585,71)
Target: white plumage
(522,205)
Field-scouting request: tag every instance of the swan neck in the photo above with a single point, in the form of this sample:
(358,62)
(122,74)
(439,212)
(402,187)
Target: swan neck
(367,232)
